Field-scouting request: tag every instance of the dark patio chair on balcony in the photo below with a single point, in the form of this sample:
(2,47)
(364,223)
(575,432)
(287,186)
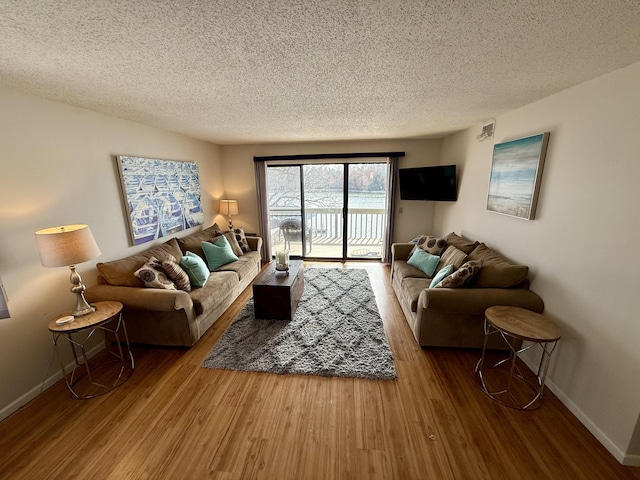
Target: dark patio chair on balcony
(291,230)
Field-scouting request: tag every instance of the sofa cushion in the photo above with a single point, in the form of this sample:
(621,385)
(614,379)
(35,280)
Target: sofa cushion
(403,270)
(497,271)
(176,274)
(452,256)
(411,288)
(461,276)
(432,245)
(461,243)
(218,287)
(121,272)
(245,265)
(424,261)
(218,253)
(196,269)
(153,275)
(441,275)
(193,242)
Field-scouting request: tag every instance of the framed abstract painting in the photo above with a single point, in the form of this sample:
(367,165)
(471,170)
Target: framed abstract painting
(161,197)
(516,172)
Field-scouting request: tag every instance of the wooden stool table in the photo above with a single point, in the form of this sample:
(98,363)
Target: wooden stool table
(78,333)
(516,324)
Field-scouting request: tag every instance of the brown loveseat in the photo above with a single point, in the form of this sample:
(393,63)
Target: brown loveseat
(174,317)
(454,317)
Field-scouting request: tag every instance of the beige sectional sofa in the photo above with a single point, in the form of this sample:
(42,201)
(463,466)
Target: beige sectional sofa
(454,317)
(175,317)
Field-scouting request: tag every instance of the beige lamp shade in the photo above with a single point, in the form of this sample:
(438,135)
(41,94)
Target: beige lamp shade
(66,245)
(228,207)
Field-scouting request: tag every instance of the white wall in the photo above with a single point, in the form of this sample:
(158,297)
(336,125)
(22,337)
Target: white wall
(416,216)
(57,167)
(581,247)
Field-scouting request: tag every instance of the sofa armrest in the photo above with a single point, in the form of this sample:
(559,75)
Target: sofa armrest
(477,300)
(155,299)
(401,251)
(255,243)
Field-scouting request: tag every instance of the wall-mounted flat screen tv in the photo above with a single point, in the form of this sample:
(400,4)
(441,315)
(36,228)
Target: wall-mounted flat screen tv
(429,183)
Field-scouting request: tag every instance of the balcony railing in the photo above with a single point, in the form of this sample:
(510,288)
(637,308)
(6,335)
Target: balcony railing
(324,228)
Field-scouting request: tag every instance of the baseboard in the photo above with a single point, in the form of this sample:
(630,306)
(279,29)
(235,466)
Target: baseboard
(612,448)
(48,382)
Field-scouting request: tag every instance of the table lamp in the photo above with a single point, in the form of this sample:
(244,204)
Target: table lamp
(228,208)
(67,246)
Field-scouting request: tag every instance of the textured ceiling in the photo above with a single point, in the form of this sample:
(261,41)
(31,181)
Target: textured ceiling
(310,70)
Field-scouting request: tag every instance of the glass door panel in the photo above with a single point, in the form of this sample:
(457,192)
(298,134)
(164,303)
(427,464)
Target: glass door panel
(366,214)
(285,209)
(324,209)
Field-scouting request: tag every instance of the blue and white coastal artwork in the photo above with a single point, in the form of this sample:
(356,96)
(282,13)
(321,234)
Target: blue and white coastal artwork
(162,196)
(515,176)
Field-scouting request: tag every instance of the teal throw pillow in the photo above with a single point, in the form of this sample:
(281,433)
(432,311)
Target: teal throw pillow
(424,261)
(196,269)
(441,275)
(218,253)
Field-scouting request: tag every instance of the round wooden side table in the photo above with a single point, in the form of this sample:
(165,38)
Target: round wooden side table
(99,376)
(522,330)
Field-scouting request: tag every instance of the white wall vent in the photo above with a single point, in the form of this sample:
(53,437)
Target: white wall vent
(487,130)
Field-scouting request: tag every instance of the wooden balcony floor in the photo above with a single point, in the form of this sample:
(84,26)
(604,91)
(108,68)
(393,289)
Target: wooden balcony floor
(331,247)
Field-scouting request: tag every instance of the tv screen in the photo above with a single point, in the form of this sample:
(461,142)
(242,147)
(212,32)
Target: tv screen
(429,183)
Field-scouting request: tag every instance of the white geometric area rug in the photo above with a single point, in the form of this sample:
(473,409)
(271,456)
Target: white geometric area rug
(336,331)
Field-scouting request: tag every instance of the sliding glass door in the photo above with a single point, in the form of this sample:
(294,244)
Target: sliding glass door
(328,210)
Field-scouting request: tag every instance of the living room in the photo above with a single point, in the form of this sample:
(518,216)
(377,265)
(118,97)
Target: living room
(58,168)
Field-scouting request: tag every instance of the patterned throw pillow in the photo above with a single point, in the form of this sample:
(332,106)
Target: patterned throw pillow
(153,275)
(176,273)
(452,256)
(461,276)
(242,240)
(432,245)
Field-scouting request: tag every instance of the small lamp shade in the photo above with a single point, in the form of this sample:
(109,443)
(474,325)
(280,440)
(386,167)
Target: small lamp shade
(228,207)
(66,245)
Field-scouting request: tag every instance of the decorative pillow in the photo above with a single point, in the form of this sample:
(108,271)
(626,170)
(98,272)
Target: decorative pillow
(432,245)
(219,253)
(231,238)
(153,276)
(452,256)
(441,275)
(196,269)
(176,273)
(242,240)
(424,261)
(461,276)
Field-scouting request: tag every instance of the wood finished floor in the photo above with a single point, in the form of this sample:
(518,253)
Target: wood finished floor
(175,420)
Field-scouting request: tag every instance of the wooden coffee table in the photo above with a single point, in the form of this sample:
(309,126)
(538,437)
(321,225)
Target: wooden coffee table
(276,294)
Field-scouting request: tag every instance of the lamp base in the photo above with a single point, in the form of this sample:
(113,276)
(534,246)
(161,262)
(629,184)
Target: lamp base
(82,307)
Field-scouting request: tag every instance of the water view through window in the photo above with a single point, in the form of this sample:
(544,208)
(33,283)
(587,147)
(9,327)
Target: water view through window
(312,214)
